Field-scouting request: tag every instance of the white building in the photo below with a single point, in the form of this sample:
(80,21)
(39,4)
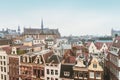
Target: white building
(91,47)
(52,68)
(4,69)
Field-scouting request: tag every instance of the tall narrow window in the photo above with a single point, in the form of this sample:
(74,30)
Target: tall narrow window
(47,71)
(1,69)
(1,76)
(4,63)
(52,72)
(4,69)
(5,77)
(56,72)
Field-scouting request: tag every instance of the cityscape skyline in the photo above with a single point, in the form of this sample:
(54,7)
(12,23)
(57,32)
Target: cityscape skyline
(76,17)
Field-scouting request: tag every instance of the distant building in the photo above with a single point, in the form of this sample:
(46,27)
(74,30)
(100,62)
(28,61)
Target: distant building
(10,33)
(41,33)
(115,33)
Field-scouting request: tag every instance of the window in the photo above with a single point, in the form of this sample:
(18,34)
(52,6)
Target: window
(1,62)
(80,74)
(56,72)
(1,76)
(13,52)
(66,73)
(94,65)
(5,77)
(0,57)
(47,71)
(1,69)
(48,78)
(86,75)
(4,69)
(3,57)
(91,74)
(98,75)
(52,72)
(52,78)
(4,63)
(56,78)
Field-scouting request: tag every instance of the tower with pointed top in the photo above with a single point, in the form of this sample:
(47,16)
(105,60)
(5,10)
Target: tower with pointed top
(18,29)
(42,25)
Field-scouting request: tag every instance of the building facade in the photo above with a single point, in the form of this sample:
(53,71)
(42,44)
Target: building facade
(112,62)
(4,61)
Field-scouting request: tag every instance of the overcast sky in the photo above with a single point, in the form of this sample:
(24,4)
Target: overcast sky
(76,17)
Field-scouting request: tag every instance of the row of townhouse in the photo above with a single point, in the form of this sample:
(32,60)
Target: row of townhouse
(47,65)
(80,66)
(98,47)
(31,61)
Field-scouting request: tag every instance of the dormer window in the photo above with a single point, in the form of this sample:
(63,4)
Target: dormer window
(13,52)
(94,65)
(38,61)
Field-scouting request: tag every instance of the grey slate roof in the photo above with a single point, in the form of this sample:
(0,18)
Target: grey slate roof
(39,31)
(54,58)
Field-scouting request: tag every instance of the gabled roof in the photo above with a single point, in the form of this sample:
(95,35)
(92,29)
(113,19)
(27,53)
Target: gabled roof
(70,59)
(54,59)
(109,44)
(47,55)
(88,44)
(98,67)
(99,45)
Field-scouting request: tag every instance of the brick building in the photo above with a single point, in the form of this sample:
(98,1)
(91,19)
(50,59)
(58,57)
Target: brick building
(112,61)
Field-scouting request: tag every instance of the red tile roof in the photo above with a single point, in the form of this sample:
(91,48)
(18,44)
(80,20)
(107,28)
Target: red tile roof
(70,59)
(69,52)
(47,55)
(109,44)
(99,45)
(7,49)
(88,44)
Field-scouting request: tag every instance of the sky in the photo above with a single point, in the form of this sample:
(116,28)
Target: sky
(71,17)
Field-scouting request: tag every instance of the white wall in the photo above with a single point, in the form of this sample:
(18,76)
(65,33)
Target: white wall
(52,68)
(104,47)
(118,62)
(92,48)
(3,54)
